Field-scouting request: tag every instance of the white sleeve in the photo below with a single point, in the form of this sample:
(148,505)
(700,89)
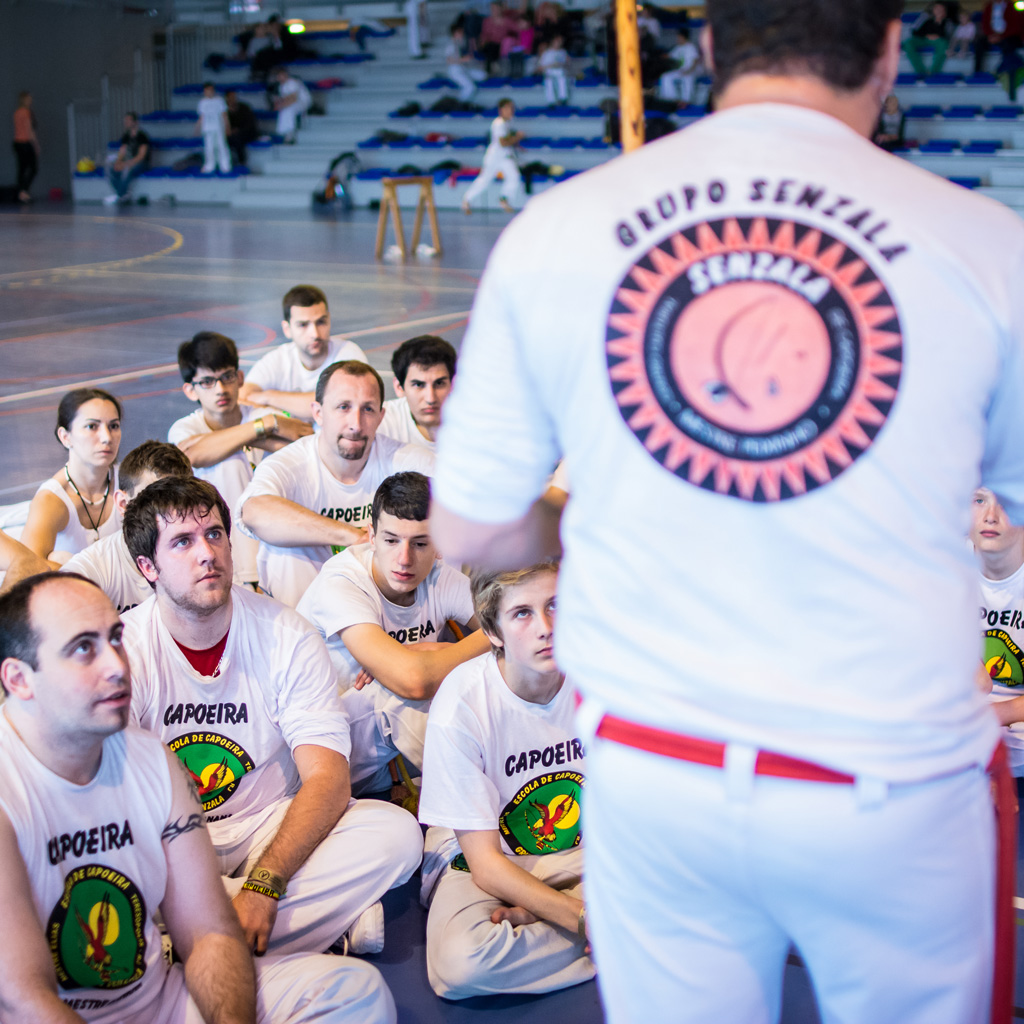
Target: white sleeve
(334,603)
(456,793)
(278,477)
(497,442)
(86,564)
(414,458)
(262,374)
(456,595)
(350,350)
(309,708)
(181,430)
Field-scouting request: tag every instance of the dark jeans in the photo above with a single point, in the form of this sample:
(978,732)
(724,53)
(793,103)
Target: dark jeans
(1008,46)
(28,164)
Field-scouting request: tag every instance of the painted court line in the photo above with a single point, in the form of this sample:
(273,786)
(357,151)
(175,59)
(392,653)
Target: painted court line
(156,371)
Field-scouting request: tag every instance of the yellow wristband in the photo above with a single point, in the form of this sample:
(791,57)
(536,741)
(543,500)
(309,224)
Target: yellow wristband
(263,890)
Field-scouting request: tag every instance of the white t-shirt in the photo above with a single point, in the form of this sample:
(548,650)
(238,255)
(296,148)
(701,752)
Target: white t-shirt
(93,853)
(294,86)
(230,476)
(211,111)
(828,612)
(235,731)
(495,761)
(108,563)
(344,594)
(297,473)
(1002,629)
(399,424)
(552,60)
(500,129)
(686,56)
(281,368)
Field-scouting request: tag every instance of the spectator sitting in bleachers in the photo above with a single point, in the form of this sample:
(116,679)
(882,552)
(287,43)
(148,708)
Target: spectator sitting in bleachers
(131,160)
(553,63)
(963,37)
(291,102)
(678,83)
(242,126)
(517,46)
(932,31)
(382,607)
(74,507)
(495,28)
(889,133)
(1002,26)
(548,20)
(286,376)
(461,67)
(424,368)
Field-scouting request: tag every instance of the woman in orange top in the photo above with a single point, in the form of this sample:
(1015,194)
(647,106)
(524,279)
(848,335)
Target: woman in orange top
(26,145)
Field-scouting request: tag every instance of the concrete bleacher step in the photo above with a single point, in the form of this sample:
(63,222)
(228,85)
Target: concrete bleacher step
(282,199)
(1011,197)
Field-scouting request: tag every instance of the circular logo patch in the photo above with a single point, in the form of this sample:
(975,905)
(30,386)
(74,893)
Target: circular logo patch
(96,930)
(1003,659)
(544,816)
(756,358)
(215,763)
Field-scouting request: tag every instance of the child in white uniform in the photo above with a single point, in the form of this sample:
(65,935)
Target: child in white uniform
(213,123)
(553,64)
(499,159)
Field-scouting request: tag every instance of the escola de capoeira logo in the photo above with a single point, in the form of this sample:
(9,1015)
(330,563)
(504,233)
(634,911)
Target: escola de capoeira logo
(1003,659)
(544,816)
(754,357)
(215,763)
(97,930)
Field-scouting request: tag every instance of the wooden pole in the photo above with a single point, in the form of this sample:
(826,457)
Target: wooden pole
(631,94)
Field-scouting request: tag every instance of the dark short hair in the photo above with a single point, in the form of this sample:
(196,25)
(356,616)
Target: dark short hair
(74,400)
(488,587)
(424,350)
(504,100)
(156,457)
(132,114)
(209,85)
(838,41)
(351,367)
(207,348)
(18,639)
(168,499)
(303,295)
(404,496)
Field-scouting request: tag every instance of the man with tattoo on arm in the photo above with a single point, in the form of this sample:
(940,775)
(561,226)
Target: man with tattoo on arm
(100,828)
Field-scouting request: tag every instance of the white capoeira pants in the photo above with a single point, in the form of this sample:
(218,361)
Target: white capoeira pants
(677,85)
(382,725)
(215,151)
(288,119)
(465,78)
(494,164)
(556,86)
(374,847)
(468,955)
(700,878)
(306,988)
(412,10)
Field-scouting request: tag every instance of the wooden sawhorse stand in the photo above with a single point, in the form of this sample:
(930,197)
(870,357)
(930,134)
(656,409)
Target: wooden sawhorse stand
(389,202)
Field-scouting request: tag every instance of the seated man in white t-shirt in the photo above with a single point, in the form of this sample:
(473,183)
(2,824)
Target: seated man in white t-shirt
(243,691)
(108,563)
(313,498)
(999,547)
(424,368)
(504,768)
(224,440)
(382,607)
(285,377)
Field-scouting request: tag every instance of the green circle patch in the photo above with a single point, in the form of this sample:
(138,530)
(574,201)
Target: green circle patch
(544,816)
(1003,659)
(215,763)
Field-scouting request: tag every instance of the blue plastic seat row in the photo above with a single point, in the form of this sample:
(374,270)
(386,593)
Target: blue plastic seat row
(979,147)
(559,113)
(172,116)
(170,172)
(590,80)
(440,177)
(194,142)
(196,88)
(476,141)
(967,182)
(946,78)
(964,112)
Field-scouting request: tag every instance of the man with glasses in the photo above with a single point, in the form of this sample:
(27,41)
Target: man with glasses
(223,439)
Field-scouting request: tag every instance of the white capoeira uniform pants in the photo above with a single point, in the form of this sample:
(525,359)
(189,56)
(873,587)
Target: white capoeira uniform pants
(469,955)
(465,78)
(502,163)
(556,86)
(374,847)
(306,988)
(288,119)
(215,151)
(382,725)
(677,85)
(412,10)
(700,878)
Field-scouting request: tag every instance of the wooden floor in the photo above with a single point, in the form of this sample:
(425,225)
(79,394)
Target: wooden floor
(104,299)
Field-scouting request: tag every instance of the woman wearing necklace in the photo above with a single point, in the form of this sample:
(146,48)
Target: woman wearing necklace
(75,507)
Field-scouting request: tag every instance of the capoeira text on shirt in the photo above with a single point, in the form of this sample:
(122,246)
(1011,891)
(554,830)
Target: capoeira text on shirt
(359,514)
(1007,617)
(98,839)
(558,753)
(206,713)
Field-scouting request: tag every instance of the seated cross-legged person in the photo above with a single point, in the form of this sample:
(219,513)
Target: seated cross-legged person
(313,498)
(224,440)
(424,369)
(243,691)
(504,768)
(108,562)
(101,829)
(382,607)
(285,378)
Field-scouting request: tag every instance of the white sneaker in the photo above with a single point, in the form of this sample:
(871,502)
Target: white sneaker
(111,200)
(366,934)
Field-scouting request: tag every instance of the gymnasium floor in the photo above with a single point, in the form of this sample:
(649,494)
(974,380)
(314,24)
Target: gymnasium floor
(103,298)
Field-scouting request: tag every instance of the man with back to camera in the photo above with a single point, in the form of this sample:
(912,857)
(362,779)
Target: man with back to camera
(223,439)
(313,498)
(100,828)
(108,562)
(382,607)
(242,690)
(424,368)
(722,317)
(285,377)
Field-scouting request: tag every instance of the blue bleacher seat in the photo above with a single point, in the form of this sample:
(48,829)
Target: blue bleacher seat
(424,113)
(373,174)
(923,110)
(469,142)
(980,78)
(939,146)
(495,83)
(1003,113)
(405,143)
(962,113)
(535,142)
(527,112)
(906,78)
(591,112)
(943,78)
(437,82)
(595,144)
(982,147)
(562,113)
(967,182)
(369,144)
(464,113)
